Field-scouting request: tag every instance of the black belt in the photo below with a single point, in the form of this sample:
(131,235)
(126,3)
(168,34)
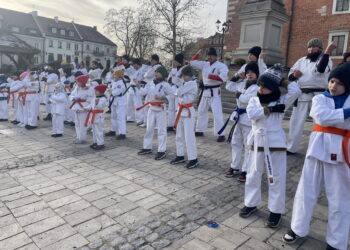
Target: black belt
(3,98)
(204,87)
(308,91)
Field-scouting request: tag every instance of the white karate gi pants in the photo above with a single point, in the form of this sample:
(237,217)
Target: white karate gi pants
(97,130)
(202,121)
(57,123)
(32,111)
(156,118)
(118,118)
(238,144)
(277,191)
(80,129)
(3,109)
(335,178)
(172,107)
(185,137)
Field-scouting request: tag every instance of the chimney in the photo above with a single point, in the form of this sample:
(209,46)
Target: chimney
(95,27)
(56,19)
(35,13)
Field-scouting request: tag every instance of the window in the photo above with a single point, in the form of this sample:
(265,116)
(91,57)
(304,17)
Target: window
(71,33)
(68,58)
(36,45)
(87,47)
(63,32)
(107,50)
(51,57)
(59,45)
(33,31)
(68,46)
(15,29)
(76,46)
(54,30)
(341,6)
(59,57)
(50,43)
(341,39)
(36,60)
(97,49)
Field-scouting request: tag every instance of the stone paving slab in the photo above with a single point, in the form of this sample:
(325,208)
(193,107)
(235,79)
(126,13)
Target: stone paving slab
(57,195)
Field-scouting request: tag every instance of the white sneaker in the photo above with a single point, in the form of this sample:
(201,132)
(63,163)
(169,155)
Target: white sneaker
(143,125)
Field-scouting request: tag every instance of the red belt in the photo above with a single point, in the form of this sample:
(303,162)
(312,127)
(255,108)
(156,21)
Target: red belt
(77,102)
(159,104)
(93,112)
(181,107)
(337,131)
(24,95)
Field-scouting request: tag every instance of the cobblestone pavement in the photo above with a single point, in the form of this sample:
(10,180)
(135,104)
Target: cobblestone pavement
(57,195)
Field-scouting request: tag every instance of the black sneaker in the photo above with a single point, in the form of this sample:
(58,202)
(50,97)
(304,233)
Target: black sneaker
(231,172)
(329,247)
(30,127)
(72,124)
(121,137)
(94,145)
(247,211)
(66,122)
(170,129)
(56,135)
(130,121)
(290,153)
(242,177)
(14,122)
(3,120)
(110,133)
(177,160)
(144,152)
(290,237)
(48,117)
(99,147)
(192,164)
(160,156)
(274,220)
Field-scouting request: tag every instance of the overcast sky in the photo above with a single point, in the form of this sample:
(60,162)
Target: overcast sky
(92,12)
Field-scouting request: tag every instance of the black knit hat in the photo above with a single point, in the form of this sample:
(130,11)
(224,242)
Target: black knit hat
(255,51)
(212,52)
(126,57)
(78,73)
(187,71)
(155,57)
(253,66)
(342,73)
(179,58)
(137,61)
(271,78)
(162,70)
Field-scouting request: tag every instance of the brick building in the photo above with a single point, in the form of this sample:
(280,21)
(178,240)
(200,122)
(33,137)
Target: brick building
(326,19)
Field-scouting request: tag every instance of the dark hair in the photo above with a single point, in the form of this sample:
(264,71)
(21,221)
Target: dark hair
(155,57)
(137,61)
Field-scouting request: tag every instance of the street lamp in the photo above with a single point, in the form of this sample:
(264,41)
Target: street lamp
(223,28)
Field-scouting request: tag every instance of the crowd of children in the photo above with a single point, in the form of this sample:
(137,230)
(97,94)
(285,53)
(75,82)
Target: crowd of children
(149,96)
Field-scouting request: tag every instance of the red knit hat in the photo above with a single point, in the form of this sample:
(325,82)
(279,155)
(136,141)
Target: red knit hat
(101,88)
(83,79)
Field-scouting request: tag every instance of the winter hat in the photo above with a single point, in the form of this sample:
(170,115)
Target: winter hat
(119,73)
(253,66)
(179,58)
(101,88)
(59,87)
(155,57)
(126,57)
(342,73)
(162,70)
(187,71)
(212,52)
(255,51)
(271,78)
(78,73)
(137,61)
(24,74)
(315,42)
(83,79)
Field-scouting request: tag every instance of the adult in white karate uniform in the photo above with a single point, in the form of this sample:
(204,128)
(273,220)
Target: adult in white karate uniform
(81,97)
(327,164)
(268,144)
(214,73)
(311,73)
(15,86)
(157,114)
(4,92)
(31,100)
(134,95)
(59,103)
(175,80)
(52,79)
(242,126)
(21,91)
(118,105)
(185,119)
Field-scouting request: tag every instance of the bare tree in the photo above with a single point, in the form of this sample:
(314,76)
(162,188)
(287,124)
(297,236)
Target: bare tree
(171,17)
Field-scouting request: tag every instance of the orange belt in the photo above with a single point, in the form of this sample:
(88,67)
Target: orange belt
(93,112)
(181,107)
(337,131)
(13,98)
(24,95)
(78,102)
(159,104)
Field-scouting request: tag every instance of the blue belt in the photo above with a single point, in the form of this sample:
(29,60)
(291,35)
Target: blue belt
(239,113)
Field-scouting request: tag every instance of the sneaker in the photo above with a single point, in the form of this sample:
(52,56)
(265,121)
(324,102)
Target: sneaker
(130,121)
(198,134)
(231,172)
(14,122)
(170,129)
(66,122)
(72,124)
(177,160)
(3,120)
(139,124)
(160,156)
(99,147)
(110,133)
(290,237)
(30,127)
(143,125)
(221,138)
(242,177)
(290,153)
(192,164)
(48,117)
(121,137)
(108,111)
(247,211)
(274,220)
(144,152)
(329,247)
(76,141)
(93,145)
(56,135)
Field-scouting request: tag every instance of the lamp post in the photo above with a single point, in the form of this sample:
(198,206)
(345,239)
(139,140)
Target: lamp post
(223,28)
